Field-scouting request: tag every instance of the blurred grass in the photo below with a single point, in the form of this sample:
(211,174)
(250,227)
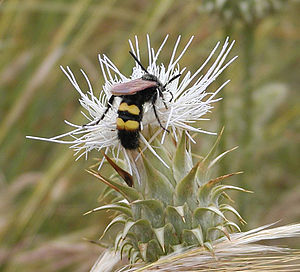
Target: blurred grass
(44,192)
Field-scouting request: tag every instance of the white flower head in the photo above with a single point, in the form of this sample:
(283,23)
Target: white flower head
(190,100)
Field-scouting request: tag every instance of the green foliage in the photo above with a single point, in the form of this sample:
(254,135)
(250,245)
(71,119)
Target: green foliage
(166,215)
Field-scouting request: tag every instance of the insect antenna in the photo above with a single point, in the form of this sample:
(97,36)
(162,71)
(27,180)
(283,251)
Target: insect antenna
(173,78)
(136,59)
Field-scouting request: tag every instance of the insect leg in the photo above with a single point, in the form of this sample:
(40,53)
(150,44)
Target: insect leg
(172,96)
(109,104)
(162,97)
(173,78)
(154,97)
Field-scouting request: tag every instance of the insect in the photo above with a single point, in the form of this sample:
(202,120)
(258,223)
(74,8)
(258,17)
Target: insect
(134,95)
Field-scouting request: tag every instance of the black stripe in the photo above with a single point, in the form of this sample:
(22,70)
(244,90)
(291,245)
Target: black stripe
(125,115)
(129,139)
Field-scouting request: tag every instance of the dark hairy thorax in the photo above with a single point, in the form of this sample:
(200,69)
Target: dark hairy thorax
(140,97)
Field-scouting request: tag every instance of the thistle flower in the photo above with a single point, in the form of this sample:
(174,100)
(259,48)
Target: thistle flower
(190,102)
(170,206)
(247,10)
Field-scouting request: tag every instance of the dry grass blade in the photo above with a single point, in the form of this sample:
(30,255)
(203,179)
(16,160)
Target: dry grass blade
(106,262)
(240,254)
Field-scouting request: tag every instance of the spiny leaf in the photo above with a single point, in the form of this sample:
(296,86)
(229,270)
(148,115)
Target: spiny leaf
(199,234)
(136,212)
(232,225)
(226,207)
(130,252)
(170,237)
(160,236)
(142,230)
(225,195)
(126,243)
(143,250)
(206,218)
(119,219)
(118,239)
(188,216)
(131,238)
(107,192)
(185,190)
(211,152)
(213,210)
(179,247)
(135,257)
(204,192)
(123,174)
(180,211)
(218,158)
(152,210)
(116,207)
(129,193)
(175,219)
(158,186)
(218,190)
(208,245)
(214,181)
(162,152)
(221,229)
(153,251)
(127,227)
(193,237)
(202,171)
(189,238)
(182,162)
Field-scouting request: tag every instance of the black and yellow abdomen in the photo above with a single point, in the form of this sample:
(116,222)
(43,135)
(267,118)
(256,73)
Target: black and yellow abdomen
(128,124)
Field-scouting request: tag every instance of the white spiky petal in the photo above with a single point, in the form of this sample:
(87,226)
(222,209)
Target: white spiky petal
(191,100)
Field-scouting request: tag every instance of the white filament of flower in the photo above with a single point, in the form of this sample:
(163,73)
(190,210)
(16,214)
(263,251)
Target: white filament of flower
(190,100)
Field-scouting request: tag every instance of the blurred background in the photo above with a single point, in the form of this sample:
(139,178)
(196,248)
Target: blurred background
(44,192)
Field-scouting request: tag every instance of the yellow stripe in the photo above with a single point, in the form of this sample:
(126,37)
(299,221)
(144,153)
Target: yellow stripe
(133,109)
(120,124)
(132,125)
(123,107)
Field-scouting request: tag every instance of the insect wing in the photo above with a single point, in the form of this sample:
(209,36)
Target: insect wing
(132,87)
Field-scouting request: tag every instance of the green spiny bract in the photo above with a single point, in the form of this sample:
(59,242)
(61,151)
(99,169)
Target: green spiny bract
(171,208)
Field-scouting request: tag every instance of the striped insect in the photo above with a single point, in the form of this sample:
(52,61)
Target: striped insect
(134,95)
